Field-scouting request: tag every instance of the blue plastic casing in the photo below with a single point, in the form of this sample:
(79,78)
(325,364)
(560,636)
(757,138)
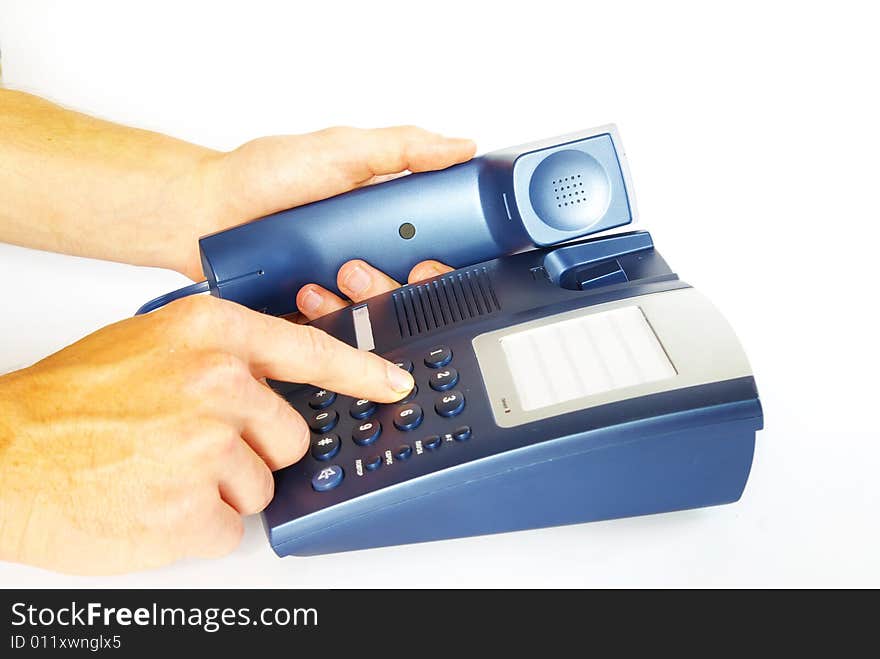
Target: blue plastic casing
(682,448)
(542,193)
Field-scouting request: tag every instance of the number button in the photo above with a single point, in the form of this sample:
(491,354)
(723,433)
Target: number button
(323,421)
(450,404)
(444,379)
(408,417)
(438,356)
(327,478)
(361,409)
(366,433)
(405,364)
(326,447)
(321,399)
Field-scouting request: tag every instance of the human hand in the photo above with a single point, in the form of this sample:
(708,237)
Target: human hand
(146,441)
(359,281)
(271,174)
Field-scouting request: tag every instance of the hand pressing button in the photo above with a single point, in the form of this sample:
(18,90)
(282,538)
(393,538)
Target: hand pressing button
(450,404)
(408,417)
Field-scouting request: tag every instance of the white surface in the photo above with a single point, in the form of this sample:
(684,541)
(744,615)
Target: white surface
(590,355)
(752,134)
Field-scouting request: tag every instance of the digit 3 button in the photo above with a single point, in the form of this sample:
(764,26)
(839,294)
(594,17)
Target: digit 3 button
(323,420)
(327,478)
(366,433)
(325,447)
(450,403)
(408,417)
(444,379)
(438,356)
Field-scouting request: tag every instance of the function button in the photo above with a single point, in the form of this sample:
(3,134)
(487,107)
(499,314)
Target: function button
(412,394)
(450,404)
(323,421)
(405,364)
(432,442)
(362,408)
(408,417)
(327,478)
(373,462)
(325,447)
(321,399)
(444,379)
(403,452)
(366,433)
(438,356)
(462,433)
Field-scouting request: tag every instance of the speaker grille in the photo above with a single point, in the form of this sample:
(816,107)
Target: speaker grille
(447,300)
(568,190)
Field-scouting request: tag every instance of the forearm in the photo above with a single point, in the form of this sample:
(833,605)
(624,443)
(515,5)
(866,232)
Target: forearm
(78,185)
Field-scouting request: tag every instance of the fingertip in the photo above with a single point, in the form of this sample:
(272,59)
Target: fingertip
(313,301)
(426,270)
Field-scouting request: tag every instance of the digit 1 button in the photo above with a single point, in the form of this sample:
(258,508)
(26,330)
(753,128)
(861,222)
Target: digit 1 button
(325,447)
(444,379)
(361,409)
(321,399)
(438,356)
(327,478)
(408,417)
(323,421)
(450,404)
(366,433)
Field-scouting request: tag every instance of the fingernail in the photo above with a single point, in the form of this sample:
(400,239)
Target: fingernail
(400,380)
(357,280)
(311,302)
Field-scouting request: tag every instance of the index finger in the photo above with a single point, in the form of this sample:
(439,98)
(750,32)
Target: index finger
(278,349)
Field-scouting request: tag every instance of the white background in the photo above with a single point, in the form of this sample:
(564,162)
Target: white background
(752,134)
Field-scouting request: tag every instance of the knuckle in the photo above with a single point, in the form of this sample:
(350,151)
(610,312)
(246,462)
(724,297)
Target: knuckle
(316,343)
(267,490)
(338,133)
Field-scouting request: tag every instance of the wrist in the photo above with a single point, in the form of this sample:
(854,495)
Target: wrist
(13,492)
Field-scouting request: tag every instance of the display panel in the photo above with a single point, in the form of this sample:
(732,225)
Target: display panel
(584,356)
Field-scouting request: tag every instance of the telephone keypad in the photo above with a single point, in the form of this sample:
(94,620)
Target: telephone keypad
(406,415)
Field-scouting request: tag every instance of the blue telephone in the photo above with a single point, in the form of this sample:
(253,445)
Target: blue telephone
(574,382)
(534,194)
